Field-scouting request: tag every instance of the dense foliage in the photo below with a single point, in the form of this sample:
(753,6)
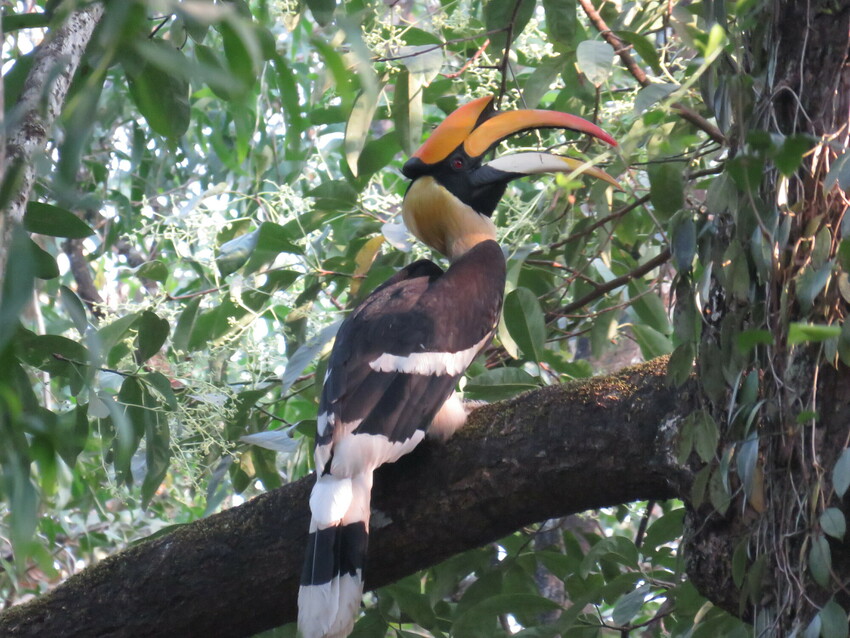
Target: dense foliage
(223,183)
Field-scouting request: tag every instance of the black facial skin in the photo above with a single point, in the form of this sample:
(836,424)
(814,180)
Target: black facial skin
(479,187)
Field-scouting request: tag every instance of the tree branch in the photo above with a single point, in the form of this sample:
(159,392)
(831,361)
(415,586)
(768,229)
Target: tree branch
(547,453)
(622,50)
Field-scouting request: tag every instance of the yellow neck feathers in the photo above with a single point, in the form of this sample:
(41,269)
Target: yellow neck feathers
(441,220)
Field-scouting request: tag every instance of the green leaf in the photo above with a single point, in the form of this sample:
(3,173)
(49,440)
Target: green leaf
(644,48)
(407,113)
(242,51)
(820,560)
(162,385)
(125,441)
(648,306)
(683,241)
(666,529)
(322,10)
(271,240)
(109,335)
(629,605)
(185,325)
(739,562)
(153,332)
(560,21)
(481,617)
(233,254)
(838,175)
(833,620)
(811,282)
(681,364)
(155,270)
(357,127)
(833,523)
(749,339)
(667,188)
(652,94)
(498,14)
(275,440)
(595,59)
(498,384)
(790,155)
(75,308)
(706,435)
(157,448)
(47,219)
(652,343)
(15,292)
(841,473)
(306,354)
(525,322)
(45,265)
(805,332)
(541,79)
(746,459)
(423,62)
(161,97)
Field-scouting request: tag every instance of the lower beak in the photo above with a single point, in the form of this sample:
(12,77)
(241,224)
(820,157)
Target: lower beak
(509,167)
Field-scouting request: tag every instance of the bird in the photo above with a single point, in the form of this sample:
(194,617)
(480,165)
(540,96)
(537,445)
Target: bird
(398,356)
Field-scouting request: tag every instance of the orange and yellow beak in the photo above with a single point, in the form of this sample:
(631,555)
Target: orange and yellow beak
(476,127)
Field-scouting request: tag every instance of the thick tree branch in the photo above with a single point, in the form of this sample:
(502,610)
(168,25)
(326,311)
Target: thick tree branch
(55,63)
(547,453)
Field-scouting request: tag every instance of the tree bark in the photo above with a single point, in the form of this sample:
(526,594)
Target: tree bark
(547,453)
(56,61)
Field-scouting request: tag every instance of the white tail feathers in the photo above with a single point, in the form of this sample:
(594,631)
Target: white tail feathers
(330,500)
(332,584)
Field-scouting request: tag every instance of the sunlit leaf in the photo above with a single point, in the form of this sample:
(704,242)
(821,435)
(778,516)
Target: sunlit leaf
(357,127)
(595,59)
(306,354)
(275,440)
(803,332)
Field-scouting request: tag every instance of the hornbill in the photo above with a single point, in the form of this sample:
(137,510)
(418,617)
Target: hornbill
(398,356)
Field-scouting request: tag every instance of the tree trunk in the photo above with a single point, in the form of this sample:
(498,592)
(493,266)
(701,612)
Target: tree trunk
(798,418)
(41,101)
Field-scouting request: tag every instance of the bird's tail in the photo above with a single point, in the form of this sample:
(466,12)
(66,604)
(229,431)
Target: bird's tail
(332,583)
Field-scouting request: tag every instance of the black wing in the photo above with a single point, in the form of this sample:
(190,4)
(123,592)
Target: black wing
(399,355)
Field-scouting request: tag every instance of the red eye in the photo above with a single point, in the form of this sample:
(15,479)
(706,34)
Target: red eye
(457,163)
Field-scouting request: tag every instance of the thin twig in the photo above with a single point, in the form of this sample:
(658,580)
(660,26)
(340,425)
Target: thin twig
(469,62)
(441,45)
(506,59)
(640,271)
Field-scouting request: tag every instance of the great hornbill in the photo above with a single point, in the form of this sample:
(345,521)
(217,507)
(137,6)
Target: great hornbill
(398,356)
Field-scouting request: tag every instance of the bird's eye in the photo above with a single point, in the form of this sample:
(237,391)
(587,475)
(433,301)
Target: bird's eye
(457,163)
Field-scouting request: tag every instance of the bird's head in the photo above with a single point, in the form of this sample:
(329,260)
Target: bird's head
(453,193)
